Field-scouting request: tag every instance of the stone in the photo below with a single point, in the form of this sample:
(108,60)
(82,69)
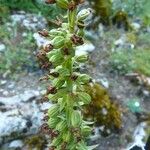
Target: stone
(40,41)
(136,26)
(146,93)
(11,122)
(29,21)
(22,116)
(119,42)
(138,137)
(23,97)
(104,82)
(11,85)
(85,48)
(2,47)
(3,82)
(5,93)
(16,144)
(45,105)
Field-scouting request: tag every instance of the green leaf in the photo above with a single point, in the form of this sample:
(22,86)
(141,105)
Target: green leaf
(83,78)
(58,42)
(58,82)
(81,58)
(61,126)
(52,122)
(62,4)
(51,53)
(60,93)
(67,136)
(84,97)
(76,118)
(57,141)
(62,71)
(86,130)
(82,146)
(53,110)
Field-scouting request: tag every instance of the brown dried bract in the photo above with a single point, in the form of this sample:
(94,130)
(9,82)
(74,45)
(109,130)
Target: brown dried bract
(51,90)
(77,40)
(50,1)
(48,48)
(43,33)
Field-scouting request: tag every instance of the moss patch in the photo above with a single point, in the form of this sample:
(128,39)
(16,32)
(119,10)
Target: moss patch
(102,110)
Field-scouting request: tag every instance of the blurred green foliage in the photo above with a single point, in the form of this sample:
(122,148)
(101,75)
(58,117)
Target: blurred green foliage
(32,6)
(135,8)
(119,12)
(18,54)
(126,61)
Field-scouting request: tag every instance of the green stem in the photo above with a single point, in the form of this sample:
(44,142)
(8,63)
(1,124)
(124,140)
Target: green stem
(69,107)
(71,19)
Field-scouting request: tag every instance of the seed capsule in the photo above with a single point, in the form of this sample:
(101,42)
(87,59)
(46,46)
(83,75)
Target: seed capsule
(53,111)
(76,119)
(83,14)
(81,58)
(58,42)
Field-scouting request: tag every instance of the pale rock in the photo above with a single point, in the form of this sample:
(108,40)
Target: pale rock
(22,116)
(40,41)
(29,21)
(26,96)
(146,92)
(24,34)
(11,85)
(104,82)
(136,26)
(119,42)
(102,128)
(2,47)
(10,124)
(104,111)
(85,48)
(5,93)
(3,82)
(17,17)
(45,105)
(16,144)
(138,136)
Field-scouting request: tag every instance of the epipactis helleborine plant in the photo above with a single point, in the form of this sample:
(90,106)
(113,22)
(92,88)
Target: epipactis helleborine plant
(64,121)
